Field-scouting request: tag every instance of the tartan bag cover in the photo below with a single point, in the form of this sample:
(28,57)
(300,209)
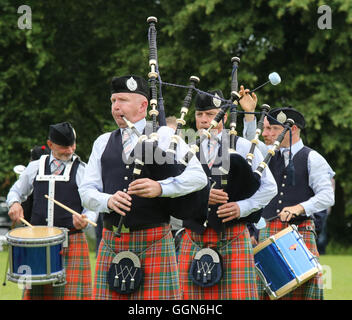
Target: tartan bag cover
(310,290)
(156,251)
(78,275)
(239,277)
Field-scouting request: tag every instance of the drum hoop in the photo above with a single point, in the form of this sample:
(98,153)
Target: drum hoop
(267,242)
(58,276)
(267,287)
(293,284)
(285,289)
(36,242)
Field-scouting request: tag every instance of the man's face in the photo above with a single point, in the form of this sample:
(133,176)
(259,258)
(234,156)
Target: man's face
(277,129)
(132,106)
(204,118)
(63,153)
(267,133)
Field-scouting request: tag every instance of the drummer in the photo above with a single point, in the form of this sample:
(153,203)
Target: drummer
(298,199)
(39,178)
(35,153)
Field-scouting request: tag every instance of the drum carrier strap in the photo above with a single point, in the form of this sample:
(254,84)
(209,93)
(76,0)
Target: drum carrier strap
(52,179)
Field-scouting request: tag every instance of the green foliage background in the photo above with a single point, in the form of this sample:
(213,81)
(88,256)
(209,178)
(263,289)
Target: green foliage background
(60,69)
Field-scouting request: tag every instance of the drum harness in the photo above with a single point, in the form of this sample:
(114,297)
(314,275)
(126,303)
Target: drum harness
(65,177)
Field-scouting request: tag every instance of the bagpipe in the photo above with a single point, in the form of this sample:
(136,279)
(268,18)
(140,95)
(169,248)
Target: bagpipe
(271,152)
(237,177)
(264,111)
(238,181)
(151,161)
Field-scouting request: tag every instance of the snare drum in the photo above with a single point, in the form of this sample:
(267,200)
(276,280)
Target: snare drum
(283,262)
(35,255)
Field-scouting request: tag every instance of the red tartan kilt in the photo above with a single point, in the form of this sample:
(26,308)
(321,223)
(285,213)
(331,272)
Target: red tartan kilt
(239,277)
(156,251)
(312,289)
(78,275)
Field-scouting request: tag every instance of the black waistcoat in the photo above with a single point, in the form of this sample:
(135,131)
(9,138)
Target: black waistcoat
(289,195)
(213,221)
(116,175)
(66,192)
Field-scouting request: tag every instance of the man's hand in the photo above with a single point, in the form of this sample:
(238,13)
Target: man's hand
(254,241)
(120,201)
(248,102)
(145,188)
(79,222)
(289,213)
(16,212)
(229,211)
(217,196)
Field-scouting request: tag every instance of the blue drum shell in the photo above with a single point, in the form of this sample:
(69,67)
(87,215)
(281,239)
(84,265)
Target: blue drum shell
(36,259)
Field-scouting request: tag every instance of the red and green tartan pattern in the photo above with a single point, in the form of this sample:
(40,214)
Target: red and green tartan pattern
(78,275)
(239,276)
(310,290)
(156,251)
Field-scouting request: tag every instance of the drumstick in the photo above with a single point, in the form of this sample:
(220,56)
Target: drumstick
(70,210)
(26,222)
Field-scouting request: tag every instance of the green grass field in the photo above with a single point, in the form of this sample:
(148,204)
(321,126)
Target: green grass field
(337,278)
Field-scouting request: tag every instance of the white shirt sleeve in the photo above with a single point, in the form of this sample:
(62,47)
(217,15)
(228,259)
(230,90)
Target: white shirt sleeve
(23,187)
(91,215)
(91,188)
(268,186)
(191,179)
(249,129)
(320,175)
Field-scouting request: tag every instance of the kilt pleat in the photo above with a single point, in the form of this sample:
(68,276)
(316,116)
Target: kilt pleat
(78,275)
(239,277)
(310,290)
(156,251)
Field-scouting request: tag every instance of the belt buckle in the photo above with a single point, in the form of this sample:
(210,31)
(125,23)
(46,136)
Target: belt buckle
(124,229)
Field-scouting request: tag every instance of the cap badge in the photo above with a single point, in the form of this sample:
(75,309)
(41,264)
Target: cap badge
(131,84)
(216,100)
(281,117)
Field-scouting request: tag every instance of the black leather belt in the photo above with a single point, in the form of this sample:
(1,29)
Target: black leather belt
(109,226)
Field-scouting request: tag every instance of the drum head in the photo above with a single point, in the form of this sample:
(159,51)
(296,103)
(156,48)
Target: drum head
(37,232)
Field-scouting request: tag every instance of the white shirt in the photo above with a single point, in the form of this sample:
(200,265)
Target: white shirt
(23,187)
(192,178)
(268,186)
(319,179)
